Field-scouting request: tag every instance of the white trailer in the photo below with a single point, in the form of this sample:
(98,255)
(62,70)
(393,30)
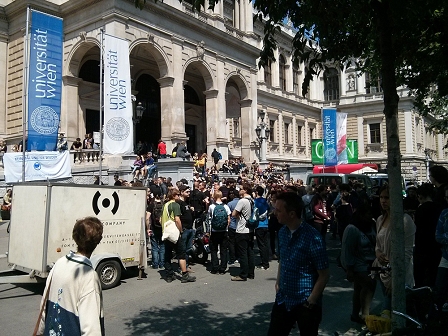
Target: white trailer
(42,220)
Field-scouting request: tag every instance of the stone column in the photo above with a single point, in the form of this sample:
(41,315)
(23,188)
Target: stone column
(307,139)
(281,141)
(173,104)
(247,128)
(360,122)
(222,141)
(211,112)
(249,18)
(236,15)
(275,70)
(360,84)
(408,131)
(243,6)
(3,83)
(289,74)
(343,83)
(166,108)
(294,137)
(71,113)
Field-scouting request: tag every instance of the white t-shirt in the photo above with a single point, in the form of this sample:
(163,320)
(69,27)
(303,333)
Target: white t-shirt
(211,208)
(245,209)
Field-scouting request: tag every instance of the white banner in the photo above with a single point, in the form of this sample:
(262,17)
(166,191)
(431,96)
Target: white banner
(118,126)
(39,166)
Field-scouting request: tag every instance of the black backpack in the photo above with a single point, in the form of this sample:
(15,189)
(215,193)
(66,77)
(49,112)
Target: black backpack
(157,214)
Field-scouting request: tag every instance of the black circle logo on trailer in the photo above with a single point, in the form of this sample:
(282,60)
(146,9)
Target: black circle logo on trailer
(105,203)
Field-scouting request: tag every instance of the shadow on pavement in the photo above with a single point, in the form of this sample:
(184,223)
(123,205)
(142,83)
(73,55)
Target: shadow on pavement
(196,318)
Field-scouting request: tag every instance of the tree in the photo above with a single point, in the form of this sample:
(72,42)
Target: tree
(404,42)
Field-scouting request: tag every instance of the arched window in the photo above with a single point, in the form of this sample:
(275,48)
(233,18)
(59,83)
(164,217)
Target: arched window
(296,79)
(267,74)
(282,72)
(191,96)
(90,71)
(331,84)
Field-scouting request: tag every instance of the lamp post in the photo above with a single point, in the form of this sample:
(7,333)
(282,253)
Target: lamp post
(139,110)
(262,130)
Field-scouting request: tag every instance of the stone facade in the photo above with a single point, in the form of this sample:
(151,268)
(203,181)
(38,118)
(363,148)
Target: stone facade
(197,76)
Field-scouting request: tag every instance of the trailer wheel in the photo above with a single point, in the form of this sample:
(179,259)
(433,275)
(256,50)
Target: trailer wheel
(109,272)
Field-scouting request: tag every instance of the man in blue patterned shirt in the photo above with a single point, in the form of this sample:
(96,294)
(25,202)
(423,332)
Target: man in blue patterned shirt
(302,272)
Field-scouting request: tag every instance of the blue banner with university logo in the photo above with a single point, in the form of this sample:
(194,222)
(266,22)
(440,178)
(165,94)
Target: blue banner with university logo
(45,81)
(329,136)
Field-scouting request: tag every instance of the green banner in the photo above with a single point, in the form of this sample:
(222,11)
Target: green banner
(317,151)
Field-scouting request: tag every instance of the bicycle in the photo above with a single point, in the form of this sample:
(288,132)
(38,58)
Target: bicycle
(419,303)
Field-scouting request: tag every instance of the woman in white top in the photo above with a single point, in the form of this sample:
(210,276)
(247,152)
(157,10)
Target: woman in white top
(383,247)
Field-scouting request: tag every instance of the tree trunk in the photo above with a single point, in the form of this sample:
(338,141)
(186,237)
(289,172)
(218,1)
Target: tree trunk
(397,257)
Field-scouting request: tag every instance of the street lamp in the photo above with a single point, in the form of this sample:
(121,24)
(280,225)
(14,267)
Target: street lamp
(262,130)
(139,110)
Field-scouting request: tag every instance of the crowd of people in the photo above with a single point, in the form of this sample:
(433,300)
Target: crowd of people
(347,212)
(292,223)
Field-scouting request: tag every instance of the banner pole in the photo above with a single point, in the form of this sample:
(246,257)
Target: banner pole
(101,107)
(25,90)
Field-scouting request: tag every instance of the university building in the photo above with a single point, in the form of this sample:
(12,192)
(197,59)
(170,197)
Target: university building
(196,75)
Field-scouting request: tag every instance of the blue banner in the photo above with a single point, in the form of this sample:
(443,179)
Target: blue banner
(329,137)
(45,81)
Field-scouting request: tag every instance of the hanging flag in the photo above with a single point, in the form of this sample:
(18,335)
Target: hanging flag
(118,127)
(329,136)
(39,166)
(45,81)
(341,132)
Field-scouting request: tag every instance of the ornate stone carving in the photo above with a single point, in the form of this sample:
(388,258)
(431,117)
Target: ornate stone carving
(351,82)
(150,38)
(200,51)
(83,36)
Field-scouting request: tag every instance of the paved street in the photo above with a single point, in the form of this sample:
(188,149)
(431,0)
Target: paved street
(212,305)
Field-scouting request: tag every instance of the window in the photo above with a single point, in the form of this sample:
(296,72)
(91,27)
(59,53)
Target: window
(311,133)
(267,74)
(272,130)
(236,127)
(373,84)
(286,133)
(375,133)
(282,72)
(331,84)
(299,135)
(295,79)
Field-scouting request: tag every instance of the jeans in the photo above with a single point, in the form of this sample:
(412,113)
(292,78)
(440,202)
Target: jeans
(282,320)
(157,251)
(220,239)
(245,250)
(262,235)
(232,249)
(187,238)
(151,171)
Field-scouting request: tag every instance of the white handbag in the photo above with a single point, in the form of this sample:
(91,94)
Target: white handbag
(170,231)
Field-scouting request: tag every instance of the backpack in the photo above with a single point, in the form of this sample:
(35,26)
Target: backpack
(307,210)
(157,214)
(254,219)
(220,218)
(219,156)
